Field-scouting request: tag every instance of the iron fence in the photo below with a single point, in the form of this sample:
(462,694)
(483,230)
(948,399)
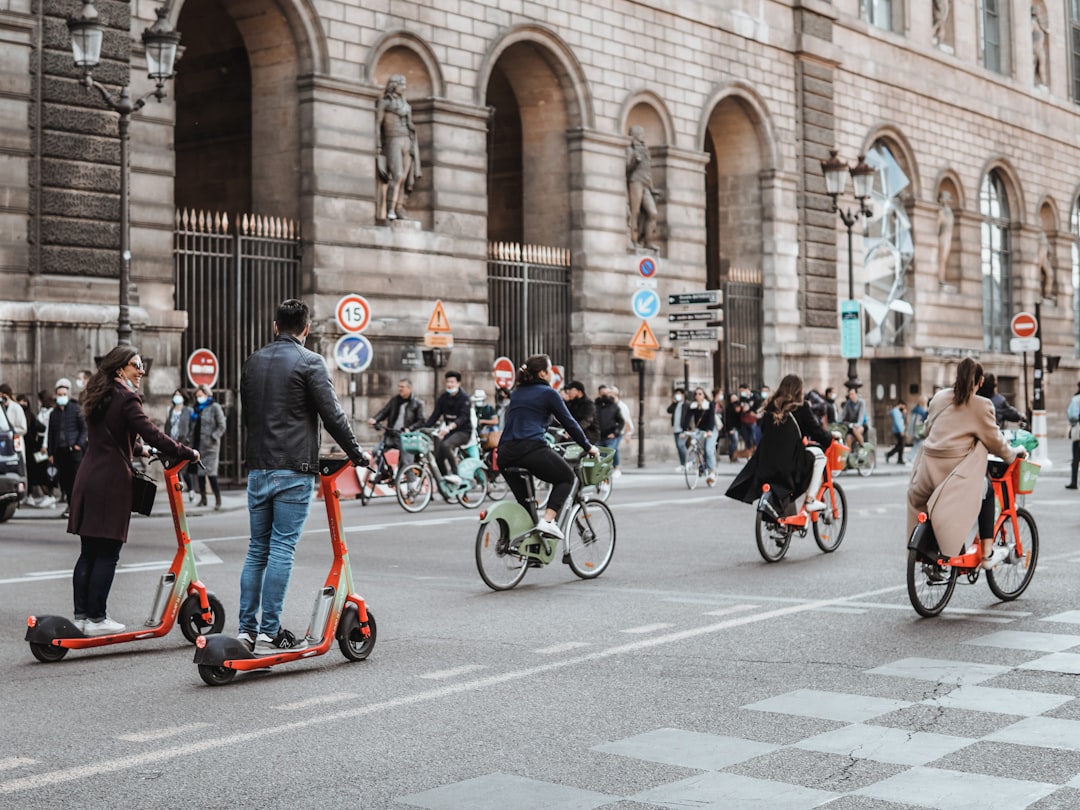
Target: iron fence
(743,362)
(529,300)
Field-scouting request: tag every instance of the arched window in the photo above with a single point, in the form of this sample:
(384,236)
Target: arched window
(996,270)
(1075,225)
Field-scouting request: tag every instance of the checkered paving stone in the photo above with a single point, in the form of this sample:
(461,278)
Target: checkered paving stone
(971,746)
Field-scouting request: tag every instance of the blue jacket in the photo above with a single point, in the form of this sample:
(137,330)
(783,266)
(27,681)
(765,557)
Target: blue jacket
(530,411)
(897,417)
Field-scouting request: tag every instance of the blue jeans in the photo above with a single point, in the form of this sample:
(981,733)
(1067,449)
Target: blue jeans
(709,445)
(680,445)
(278,506)
(605,442)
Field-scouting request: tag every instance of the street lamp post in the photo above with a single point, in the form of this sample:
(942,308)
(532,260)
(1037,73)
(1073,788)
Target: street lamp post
(836,172)
(160,40)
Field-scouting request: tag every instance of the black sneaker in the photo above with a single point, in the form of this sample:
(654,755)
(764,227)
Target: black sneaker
(284,641)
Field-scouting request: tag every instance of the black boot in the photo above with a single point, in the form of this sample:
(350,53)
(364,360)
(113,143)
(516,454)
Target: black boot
(202,499)
(217,501)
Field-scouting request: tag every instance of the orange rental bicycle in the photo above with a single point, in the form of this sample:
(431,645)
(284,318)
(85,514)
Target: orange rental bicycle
(773,530)
(931,577)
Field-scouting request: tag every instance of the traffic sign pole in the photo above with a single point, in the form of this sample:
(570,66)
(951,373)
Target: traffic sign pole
(1038,405)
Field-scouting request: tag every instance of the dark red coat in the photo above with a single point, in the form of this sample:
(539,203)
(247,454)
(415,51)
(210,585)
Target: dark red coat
(101,497)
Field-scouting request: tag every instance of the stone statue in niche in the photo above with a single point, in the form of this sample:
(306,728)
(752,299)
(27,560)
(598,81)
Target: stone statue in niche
(641,206)
(945,220)
(397,160)
(942,9)
(1045,262)
(1040,41)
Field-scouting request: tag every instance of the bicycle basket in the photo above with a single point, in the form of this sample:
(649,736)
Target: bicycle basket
(1027,473)
(415,442)
(594,471)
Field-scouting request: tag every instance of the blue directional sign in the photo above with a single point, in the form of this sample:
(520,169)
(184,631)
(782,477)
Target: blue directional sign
(353,353)
(646,304)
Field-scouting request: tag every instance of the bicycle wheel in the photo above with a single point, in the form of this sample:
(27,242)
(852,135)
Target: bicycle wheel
(831,524)
(499,567)
(496,485)
(475,494)
(929,586)
(414,487)
(772,538)
(590,539)
(1010,577)
(603,491)
(692,470)
(868,462)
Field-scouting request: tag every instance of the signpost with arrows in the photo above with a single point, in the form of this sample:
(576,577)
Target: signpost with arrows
(704,323)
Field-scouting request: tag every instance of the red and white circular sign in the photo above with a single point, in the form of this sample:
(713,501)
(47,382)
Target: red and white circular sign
(1024,325)
(504,372)
(203,368)
(353,313)
(558,374)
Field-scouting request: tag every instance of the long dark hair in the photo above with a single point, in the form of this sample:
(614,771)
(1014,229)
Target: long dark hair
(529,371)
(786,398)
(99,391)
(967,378)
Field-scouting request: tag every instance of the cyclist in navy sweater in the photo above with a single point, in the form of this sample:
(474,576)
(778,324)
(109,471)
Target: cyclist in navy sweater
(531,408)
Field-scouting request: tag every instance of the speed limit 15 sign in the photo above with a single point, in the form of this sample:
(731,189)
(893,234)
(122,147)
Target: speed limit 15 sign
(353,313)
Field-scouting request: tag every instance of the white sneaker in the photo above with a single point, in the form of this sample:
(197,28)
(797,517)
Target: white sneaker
(616,473)
(710,480)
(680,468)
(548,528)
(80,625)
(452,480)
(815,506)
(998,554)
(106,627)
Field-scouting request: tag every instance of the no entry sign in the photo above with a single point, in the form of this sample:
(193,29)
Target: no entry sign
(1024,325)
(203,368)
(504,372)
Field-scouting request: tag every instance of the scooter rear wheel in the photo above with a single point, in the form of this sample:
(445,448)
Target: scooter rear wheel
(351,640)
(192,624)
(216,676)
(48,653)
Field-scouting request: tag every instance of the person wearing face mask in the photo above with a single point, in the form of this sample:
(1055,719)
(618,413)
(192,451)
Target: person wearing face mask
(67,438)
(700,419)
(207,428)
(454,408)
(675,408)
(101,495)
(178,425)
(81,379)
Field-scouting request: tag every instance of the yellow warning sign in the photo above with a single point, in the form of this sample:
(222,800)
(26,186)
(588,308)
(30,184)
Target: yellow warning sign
(438,321)
(644,338)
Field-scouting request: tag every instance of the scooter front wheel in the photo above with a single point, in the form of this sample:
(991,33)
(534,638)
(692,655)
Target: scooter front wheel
(48,653)
(351,639)
(191,621)
(216,676)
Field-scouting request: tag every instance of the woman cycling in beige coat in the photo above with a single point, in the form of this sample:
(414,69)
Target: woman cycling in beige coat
(948,480)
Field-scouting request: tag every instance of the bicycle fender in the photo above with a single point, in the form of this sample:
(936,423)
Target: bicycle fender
(513,514)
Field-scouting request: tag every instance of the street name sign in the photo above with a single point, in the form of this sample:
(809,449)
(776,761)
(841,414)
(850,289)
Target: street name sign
(695,334)
(692,315)
(686,353)
(707,297)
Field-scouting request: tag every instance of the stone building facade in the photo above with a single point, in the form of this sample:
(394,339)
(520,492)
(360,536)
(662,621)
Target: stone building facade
(522,112)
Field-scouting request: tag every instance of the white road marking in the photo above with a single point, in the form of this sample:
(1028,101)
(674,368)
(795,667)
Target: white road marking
(11,763)
(725,611)
(319,700)
(162,733)
(647,628)
(203,556)
(561,648)
(201,747)
(444,674)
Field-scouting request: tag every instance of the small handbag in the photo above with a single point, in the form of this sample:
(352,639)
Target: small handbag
(1074,432)
(143,487)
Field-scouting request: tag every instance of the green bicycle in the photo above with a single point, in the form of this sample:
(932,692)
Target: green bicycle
(508,544)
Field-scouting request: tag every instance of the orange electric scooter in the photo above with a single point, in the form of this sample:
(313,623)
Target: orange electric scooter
(339,613)
(181,598)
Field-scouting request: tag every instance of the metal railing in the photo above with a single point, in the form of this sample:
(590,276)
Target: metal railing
(529,300)
(230,278)
(743,323)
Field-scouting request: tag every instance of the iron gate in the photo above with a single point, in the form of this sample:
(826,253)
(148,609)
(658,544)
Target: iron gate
(529,300)
(743,361)
(230,281)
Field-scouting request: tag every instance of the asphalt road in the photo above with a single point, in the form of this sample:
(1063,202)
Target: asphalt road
(691,674)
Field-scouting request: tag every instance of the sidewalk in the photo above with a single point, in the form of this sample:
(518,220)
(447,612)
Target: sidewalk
(231,501)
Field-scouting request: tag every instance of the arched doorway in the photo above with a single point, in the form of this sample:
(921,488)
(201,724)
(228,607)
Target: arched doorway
(529,203)
(734,238)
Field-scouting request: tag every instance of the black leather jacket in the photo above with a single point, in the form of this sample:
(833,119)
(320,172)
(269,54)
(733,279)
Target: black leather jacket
(414,412)
(284,390)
